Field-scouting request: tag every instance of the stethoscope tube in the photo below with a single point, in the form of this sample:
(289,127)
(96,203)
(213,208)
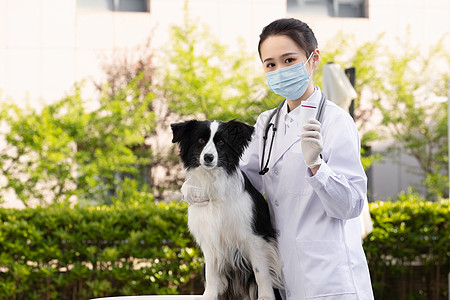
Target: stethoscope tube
(319,116)
(276,112)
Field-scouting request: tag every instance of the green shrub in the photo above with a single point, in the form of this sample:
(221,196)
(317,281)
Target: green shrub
(145,248)
(64,253)
(409,249)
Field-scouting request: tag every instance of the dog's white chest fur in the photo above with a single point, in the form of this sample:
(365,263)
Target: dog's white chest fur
(225,223)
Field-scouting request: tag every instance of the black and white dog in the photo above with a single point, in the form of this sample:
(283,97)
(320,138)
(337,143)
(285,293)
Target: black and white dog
(233,229)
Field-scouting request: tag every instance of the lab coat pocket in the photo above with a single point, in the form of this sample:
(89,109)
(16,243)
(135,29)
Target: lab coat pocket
(325,268)
(294,173)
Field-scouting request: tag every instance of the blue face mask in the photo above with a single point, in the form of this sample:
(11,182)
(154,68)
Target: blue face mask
(290,82)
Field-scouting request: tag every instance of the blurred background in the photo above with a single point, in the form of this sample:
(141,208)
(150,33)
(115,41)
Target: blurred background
(47,47)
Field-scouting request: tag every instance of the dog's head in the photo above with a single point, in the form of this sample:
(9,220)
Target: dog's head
(211,144)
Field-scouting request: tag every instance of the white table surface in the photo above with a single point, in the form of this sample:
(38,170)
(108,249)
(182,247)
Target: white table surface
(155,297)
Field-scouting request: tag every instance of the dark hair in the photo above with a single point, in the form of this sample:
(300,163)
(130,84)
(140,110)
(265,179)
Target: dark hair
(297,30)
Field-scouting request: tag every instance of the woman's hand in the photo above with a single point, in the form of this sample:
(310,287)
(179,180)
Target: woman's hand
(193,193)
(312,144)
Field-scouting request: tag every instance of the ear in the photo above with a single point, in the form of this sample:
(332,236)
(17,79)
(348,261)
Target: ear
(316,58)
(240,133)
(179,129)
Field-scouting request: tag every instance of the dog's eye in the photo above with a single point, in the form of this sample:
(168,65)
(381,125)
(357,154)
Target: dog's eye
(201,141)
(219,143)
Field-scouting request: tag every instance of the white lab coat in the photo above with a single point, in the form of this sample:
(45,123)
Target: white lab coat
(316,217)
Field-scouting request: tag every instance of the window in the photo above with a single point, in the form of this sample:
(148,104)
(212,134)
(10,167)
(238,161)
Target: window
(114,5)
(332,8)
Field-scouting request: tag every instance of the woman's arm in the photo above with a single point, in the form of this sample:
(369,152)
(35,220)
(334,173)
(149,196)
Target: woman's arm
(340,180)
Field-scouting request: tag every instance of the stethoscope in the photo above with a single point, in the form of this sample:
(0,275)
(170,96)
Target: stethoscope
(319,116)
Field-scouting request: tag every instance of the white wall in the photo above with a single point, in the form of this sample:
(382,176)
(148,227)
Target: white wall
(427,21)
(228,19)
(47,45)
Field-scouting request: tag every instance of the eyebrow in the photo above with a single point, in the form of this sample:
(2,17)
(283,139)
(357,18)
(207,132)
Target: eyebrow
(284,55)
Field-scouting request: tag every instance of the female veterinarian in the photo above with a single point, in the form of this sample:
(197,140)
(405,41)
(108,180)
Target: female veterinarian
(310,172)
(311,175)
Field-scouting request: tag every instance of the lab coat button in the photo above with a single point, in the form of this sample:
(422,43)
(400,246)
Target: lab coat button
(277,203)
(275,171)
(277,232)
(288,293)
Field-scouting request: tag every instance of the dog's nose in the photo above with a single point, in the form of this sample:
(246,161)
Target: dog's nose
(208,158)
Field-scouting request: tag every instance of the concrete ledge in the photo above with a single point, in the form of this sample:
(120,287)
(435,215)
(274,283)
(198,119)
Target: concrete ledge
(153,297)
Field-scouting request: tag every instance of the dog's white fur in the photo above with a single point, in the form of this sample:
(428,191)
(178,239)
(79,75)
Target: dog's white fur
(225,225)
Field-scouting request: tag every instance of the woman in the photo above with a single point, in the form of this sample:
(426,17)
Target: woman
(315,184)
(311,175)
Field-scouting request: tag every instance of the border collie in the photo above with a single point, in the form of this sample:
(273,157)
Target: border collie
(233,227)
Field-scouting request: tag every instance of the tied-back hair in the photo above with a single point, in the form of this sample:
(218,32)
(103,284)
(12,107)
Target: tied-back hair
(297,30)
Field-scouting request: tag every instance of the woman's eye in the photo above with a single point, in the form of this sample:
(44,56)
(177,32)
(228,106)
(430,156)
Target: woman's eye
(289,60)
(271,65)
(201,141)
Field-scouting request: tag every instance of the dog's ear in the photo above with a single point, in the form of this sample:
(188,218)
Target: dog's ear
(179,130)
(239,133)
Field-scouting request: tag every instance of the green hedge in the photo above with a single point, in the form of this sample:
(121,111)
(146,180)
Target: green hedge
(409,249)
(78,253)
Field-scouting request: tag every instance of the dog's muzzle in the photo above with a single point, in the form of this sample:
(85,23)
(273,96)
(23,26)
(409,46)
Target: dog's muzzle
(208,160)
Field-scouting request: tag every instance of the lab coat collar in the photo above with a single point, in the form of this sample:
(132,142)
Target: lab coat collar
(284,141)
